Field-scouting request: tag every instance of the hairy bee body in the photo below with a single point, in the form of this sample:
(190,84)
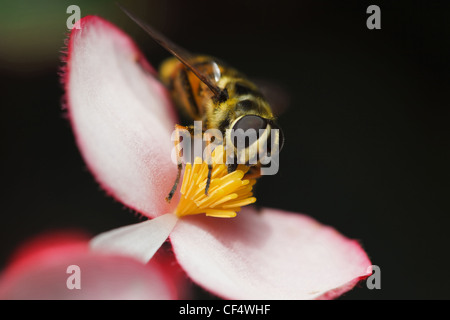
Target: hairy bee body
(197,101)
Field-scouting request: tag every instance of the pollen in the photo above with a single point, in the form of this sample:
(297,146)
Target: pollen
(228,192)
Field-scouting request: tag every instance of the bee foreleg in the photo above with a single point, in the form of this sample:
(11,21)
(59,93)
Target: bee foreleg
(175,185)
(253,173)
(208,137)
(208,180)
(177,143)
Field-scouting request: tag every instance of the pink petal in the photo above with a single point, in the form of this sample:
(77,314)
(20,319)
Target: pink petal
(268,255)
(41,273)
(140,240)
(121,115)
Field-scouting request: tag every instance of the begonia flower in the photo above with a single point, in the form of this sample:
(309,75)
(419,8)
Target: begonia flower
(61,266)
(123,118)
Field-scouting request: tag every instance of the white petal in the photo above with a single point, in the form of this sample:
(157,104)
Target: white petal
(270,254)
(121,116)
(140,240)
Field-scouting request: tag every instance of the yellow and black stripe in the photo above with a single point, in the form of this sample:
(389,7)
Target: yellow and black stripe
(196,100)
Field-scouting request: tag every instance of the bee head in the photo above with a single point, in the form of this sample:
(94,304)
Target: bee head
(253,138)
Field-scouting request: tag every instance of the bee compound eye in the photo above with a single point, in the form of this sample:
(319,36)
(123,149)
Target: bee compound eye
(242,126)
(250,122)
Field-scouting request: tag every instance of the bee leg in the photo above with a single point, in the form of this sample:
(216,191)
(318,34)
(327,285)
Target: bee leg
(208,138)
(208,180)
(253,173)
(175,185)
(177,143)
(232,167)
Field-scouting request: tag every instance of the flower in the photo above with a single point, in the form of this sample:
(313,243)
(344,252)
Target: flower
(44,269)
(122,119)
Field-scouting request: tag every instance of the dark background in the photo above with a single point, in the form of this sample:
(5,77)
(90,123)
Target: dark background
(367,130)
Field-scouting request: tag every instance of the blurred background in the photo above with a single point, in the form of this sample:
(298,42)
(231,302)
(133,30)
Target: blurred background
(367,130)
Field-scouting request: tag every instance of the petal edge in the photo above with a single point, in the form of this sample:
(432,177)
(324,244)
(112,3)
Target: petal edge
(270,254)
(121,116)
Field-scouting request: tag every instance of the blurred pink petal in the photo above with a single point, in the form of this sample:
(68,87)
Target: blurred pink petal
(121,115)
(140,240)
(181,282)
(40,273)
(270,254)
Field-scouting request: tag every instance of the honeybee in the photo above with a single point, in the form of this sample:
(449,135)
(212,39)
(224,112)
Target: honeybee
(208,90)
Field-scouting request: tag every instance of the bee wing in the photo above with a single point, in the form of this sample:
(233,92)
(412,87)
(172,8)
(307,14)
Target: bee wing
(276,95)
(183,55)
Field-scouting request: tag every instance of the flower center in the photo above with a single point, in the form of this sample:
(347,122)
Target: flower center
(227,191)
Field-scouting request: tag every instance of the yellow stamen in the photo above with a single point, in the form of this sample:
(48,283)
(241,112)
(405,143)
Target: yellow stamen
(227,191)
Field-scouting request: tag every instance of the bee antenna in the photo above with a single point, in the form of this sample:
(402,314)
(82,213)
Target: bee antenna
(220,95)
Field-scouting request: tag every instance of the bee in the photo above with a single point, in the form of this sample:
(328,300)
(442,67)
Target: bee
(223,98)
